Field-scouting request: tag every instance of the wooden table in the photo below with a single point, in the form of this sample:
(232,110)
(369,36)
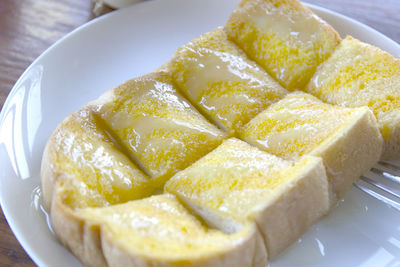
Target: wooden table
(28,27)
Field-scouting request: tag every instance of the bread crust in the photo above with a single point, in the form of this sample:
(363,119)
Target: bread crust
(92,243)
(295,209)
(351,152)
(248,253)
(358,74)
(81,237)
(332,168)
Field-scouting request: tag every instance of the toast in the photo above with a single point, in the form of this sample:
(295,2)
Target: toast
(107,168)
(237,183)
(358,74)
(284,37)
(347,139)
(156,126)
(219,79)
(81,151)
(155,231)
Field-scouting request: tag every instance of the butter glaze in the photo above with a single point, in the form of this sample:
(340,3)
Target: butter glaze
(295,126)
(215,75)
(236,189)
(284,37)
(161,226)
(237,183)
(358,74)
(301,124)
(85,160)
(157,126)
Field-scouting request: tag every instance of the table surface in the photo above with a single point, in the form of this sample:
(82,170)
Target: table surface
(29,27)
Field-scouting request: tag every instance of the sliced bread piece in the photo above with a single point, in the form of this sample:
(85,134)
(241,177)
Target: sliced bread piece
(358,74)
(81,150)
(237,183)
(219,79)
(156,125)
(348,139)
(286,38)
(156,231)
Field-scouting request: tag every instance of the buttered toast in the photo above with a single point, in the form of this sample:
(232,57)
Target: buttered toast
(358,74)
(237,183)
(212,160)
(300,124)
(286,38)
(215,75)
(156,125)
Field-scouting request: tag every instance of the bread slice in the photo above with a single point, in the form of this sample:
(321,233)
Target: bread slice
(237,183)
(348,139)
(156,125)
(284,37)
(219,79)
(81,150)
(156,231)
(358,74)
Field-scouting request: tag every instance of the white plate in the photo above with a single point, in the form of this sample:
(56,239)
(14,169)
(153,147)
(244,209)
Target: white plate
(133,41)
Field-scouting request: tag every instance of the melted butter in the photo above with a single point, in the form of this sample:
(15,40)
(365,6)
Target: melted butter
(221,66)
(160,226)
(157,221)
(358,74)
(215,75)
(295,126)
(166,94)
(286,22)
(158,126)
(97,172)
(285,38)
(231,180)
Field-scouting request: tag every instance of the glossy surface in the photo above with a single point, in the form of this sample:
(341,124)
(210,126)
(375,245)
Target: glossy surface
(160,227)
(296,125)
(237,183)
(219,78)
(157,126)
(88,166)
(360,217)
(285,38)
(233,181)
(347,139)
(358,74)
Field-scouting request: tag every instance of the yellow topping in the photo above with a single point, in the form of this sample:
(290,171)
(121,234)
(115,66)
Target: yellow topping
(157,126)
(238,183)
(217,76)
(284,37)
(232,180)
(232,203)
(358,74)
(296,125)
(160,227)
(95,173)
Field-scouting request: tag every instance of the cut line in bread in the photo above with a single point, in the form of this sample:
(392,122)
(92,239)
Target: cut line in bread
(219,79)
(105,167)
(80,150)
(157,125)
(237,183)
(284,37)
(347,139)
(155,231)
(358,74)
